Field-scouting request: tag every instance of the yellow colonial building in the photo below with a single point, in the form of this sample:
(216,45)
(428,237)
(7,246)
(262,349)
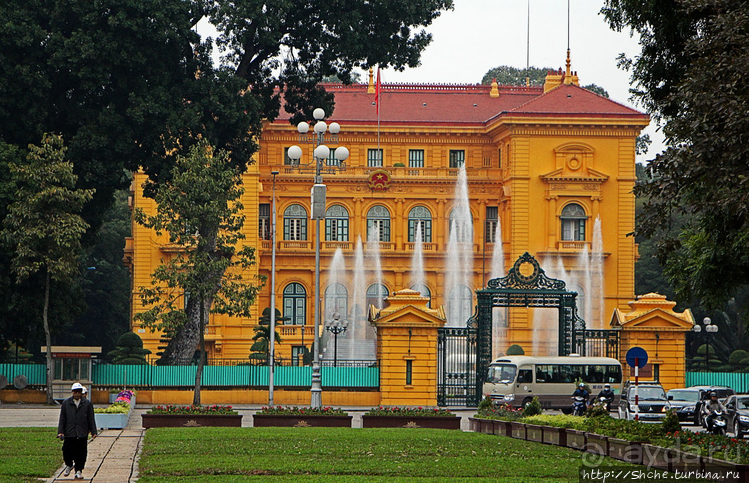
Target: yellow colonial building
(435,171)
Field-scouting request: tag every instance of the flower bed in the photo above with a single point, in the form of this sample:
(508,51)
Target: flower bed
(171,416)
(117,414)
(405,417)
(299,417)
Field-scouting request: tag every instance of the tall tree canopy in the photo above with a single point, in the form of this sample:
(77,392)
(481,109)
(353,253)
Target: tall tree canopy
(693,74)
(130,84)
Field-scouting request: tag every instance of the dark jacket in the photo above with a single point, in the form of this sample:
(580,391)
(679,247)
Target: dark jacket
(76,422)
(581,392)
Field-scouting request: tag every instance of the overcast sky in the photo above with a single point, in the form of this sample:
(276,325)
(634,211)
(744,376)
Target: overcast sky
(479,35)
(482,34)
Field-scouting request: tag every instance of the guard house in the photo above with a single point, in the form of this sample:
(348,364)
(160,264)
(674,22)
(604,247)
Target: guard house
(71,364)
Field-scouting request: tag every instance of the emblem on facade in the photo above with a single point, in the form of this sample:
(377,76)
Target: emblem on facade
(379,180)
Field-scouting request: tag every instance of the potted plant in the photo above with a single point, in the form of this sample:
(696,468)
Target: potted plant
(292,416)
(117,414)
(405,417)
(191,416)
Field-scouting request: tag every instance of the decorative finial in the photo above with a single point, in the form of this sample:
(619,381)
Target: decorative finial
(495,89)
(371,87)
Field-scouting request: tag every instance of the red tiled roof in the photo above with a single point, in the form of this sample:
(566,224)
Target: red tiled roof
(465,104)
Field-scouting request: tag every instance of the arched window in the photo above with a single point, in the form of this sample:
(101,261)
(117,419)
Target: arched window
(376,294)
(459,304)
(378,218)
(573,222)
(336,300)
(295,223)
(420,216)
(463,226)
(295,304)
(336,223)
(424,291)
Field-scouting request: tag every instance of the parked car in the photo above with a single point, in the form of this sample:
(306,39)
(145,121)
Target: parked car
(737,414)
(686,402)
(652,401)
(722,391)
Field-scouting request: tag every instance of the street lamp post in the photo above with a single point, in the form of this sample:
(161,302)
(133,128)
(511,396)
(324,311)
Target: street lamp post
(336,327)
(710,328)
(320,153)
(272,352)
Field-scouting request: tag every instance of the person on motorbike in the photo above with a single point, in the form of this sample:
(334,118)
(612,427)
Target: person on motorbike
(582,392)
(606,393)
(710,407)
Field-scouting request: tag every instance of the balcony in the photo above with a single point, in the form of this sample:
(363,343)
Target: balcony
(296,331)
(572,245)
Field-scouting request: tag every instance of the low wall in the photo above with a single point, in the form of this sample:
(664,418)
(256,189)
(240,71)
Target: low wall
(24,396)
(281,397)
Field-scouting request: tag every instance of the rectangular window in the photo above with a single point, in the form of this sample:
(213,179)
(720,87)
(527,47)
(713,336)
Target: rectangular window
(374,158)
(332,160)
(295,229)
(286,159)
(491,223)
(426,230)
(383,226)
(457,158)
(499,156)
(336,229)
(264,228)
(409,373)
(297,355)
(415,158)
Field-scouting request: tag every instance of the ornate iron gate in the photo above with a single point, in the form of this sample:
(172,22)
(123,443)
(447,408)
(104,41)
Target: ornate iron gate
(456,366)
(465,354)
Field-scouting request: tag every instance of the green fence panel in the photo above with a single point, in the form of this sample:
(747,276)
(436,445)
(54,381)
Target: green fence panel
(35,373)
(739,381)
(226,375)
(295,376)
(350,376)
(121,375)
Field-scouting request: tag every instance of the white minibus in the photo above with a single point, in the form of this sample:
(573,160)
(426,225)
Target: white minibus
(515,380)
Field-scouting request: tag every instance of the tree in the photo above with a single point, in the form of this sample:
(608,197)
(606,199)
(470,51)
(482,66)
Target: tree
(43,225)
(260,350)
(692,75)
(515,350)
(199,210)
(129,350)
(506,75)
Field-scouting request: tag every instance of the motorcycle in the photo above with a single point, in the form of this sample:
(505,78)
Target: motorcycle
(719,423)
(606,401)
(578,405)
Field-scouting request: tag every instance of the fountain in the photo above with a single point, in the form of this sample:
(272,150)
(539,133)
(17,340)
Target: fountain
(418,279)
(498,313)
(597,319)
(459,262)
(336,279)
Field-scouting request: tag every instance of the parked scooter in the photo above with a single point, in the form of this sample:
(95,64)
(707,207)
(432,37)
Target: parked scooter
(578,405)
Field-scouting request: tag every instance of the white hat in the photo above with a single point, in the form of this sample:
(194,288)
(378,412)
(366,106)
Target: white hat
(85,391)
(77,385)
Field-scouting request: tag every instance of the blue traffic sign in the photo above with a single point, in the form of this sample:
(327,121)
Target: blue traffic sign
(639,355)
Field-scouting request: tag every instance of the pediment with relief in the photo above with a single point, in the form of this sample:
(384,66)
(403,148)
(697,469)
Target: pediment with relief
(655,319)
(574,164)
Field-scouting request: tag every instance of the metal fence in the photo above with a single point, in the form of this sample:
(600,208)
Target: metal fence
(35,373)
(739,381)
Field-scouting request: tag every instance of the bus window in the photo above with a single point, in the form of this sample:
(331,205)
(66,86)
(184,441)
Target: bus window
(501,373)
(525,376)
(613,374)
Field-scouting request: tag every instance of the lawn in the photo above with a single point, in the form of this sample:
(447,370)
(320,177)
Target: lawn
(342,454)
(27,454)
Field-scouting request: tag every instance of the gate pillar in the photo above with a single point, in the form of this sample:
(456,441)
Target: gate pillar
(407,349)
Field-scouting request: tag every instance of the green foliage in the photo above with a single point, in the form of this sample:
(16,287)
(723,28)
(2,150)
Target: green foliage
(406,411)
(504,412)
(129,350)
(515,350)
(199,209)
(691,74)
(556,420)
(597,89)
(597,409)
(486,403)
(533,408)
(303,411)
(506,75)
(737,357)
(260,349)
(670,422)
(114,408)
(194,409)
(399,165)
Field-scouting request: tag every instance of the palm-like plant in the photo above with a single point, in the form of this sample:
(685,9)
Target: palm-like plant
(260,350)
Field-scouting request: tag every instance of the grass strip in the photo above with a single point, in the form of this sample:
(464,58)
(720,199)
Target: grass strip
(224,455)
(27,454)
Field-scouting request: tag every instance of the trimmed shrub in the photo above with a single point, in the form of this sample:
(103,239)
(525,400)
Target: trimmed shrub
(515,350)
(533,408)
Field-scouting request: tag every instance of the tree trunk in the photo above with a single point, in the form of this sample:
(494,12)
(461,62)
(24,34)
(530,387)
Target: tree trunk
(201,359)
(48,337)
(181,348)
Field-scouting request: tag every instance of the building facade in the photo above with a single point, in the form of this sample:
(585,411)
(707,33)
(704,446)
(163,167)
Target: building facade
(548,170)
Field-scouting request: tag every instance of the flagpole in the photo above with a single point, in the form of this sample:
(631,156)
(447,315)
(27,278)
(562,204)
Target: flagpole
(377,96)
